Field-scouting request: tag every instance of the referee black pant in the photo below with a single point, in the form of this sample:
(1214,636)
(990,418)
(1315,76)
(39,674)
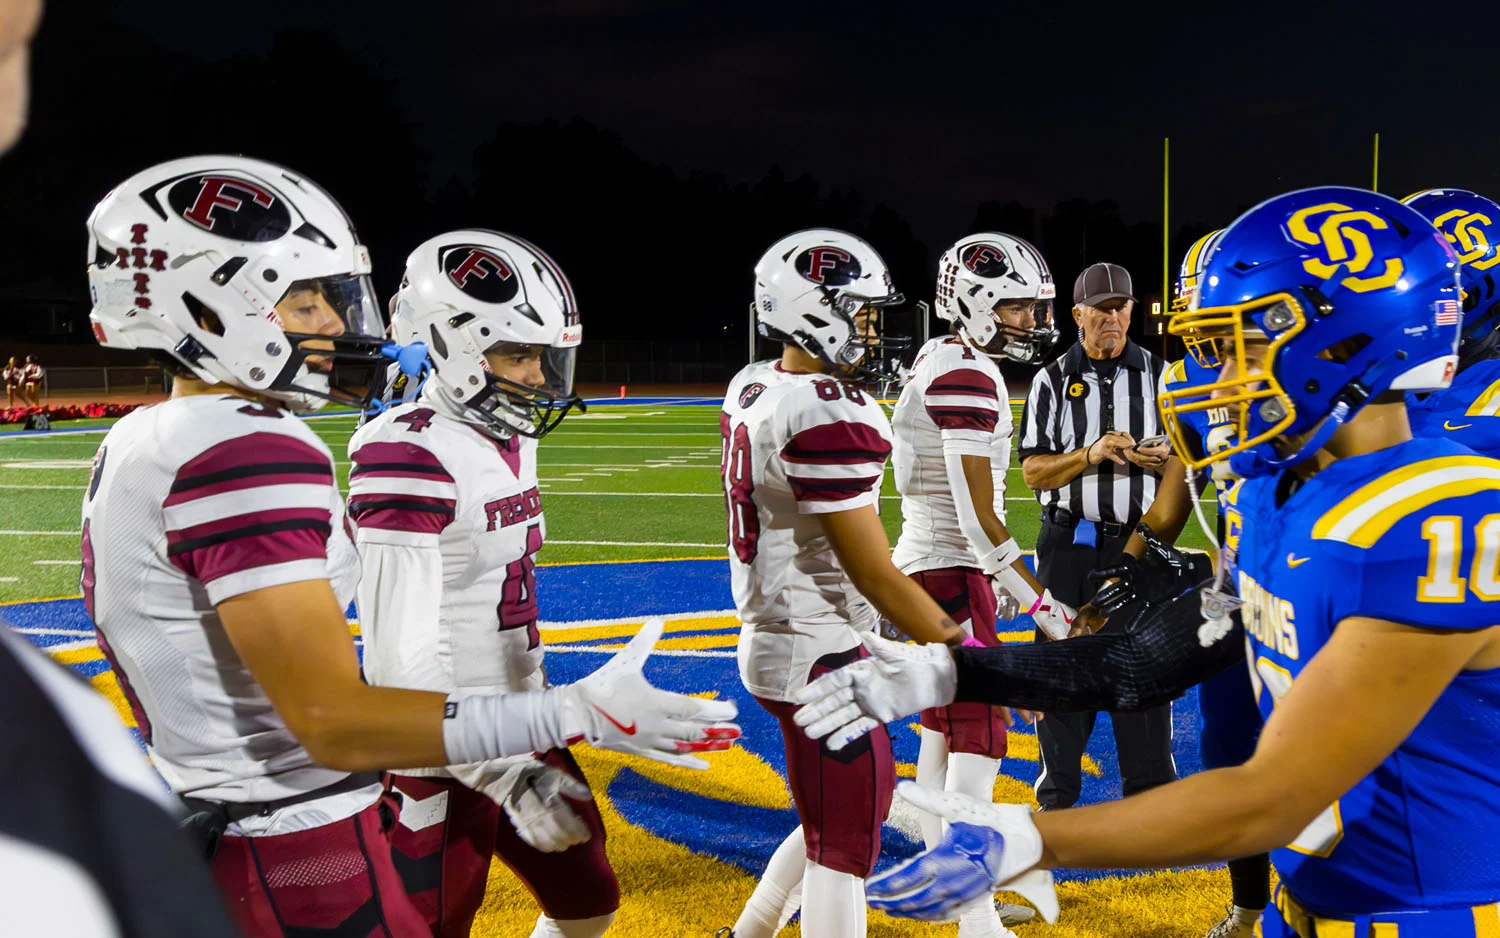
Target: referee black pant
(1142,740)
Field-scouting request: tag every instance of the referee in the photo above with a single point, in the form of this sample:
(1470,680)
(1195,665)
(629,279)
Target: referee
(1085,417)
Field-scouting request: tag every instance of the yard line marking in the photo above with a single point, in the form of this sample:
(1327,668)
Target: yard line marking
(10,579)
(624,543)
(40,533)
(545,624)
(82,633)
(55,563)
(612,649)
(649,495)
(49,464)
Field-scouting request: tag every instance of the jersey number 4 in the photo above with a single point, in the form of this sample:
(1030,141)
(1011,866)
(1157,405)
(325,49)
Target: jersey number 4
(744,520)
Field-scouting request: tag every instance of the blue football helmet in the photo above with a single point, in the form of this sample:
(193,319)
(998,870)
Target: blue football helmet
(1203,351)
(1471,223)
(1345,294)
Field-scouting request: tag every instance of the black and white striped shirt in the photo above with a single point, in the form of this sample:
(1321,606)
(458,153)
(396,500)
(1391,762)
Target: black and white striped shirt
(1071,406)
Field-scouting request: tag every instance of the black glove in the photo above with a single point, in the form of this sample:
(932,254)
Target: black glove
(1162,573)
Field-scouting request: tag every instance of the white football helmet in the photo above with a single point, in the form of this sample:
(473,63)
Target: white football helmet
(808,288)
(981,273)
(466,292)
(244,272)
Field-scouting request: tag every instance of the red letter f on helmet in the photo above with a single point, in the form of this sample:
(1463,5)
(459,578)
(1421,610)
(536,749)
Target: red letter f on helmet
(478,264)
(213,194)
(982,255)
(823,259)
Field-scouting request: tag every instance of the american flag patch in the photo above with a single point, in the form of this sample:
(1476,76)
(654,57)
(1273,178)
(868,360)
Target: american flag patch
(1445,312)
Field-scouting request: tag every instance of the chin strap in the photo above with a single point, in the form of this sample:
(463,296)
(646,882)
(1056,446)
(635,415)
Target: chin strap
(1336,418)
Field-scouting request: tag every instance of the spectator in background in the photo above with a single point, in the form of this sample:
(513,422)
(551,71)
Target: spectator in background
(31,377)
(12,381)
(1086,416)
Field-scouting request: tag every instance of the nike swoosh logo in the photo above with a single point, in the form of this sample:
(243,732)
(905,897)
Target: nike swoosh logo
(1294,561)
(627,730)
(1449,426)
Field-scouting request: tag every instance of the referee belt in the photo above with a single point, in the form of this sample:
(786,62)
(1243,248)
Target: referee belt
(1064,518)
(1479,921)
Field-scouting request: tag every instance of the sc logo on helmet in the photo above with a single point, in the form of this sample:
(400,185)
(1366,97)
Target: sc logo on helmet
(1466,232)
(1343,235)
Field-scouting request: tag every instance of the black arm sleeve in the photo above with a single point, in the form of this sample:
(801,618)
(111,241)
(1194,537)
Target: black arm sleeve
(1148,663)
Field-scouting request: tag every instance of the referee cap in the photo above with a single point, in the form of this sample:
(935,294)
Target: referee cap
(1102,282)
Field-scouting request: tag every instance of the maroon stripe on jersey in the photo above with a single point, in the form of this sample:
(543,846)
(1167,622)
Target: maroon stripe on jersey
(422,515)
(250,461)
(398,460)
(964,381)
(806,489)
(964,418)
(209,551)
(838,444)
(142,722)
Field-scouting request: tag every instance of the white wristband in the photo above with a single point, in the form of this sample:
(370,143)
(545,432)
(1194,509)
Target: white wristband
(478,727)
(1000,558)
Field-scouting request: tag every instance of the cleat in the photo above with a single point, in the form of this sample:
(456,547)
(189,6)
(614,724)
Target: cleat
(1013,914)
(1232,926)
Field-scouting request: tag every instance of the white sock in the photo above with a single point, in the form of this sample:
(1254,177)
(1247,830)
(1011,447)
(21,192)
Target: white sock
(972,775)
(761,917)
(572,927)
(1246,916)
(833,903)
(793,904)
(932,772)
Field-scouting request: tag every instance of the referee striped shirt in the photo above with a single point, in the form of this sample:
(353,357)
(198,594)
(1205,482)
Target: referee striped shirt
(1071,405)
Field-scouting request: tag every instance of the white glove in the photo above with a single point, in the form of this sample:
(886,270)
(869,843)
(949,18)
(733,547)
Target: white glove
(535,798)
(1053,617)
(898,680)
(616,708)
(985,847)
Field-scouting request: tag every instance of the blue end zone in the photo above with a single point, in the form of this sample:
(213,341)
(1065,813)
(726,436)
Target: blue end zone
(742,835)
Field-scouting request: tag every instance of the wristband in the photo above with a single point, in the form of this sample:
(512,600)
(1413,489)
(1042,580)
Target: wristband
(478,727)
(1000,557)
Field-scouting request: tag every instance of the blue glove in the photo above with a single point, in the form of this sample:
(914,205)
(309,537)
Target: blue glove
(986,846)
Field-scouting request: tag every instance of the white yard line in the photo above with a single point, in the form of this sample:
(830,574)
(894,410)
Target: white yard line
(718,544)
(55,563)
(665,652)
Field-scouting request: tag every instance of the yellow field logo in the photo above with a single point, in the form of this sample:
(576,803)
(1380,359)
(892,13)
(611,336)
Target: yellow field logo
(1466,232)
(1342,234)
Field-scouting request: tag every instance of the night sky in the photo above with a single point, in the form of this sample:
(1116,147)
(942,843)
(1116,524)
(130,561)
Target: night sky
(936,107)
(909,117)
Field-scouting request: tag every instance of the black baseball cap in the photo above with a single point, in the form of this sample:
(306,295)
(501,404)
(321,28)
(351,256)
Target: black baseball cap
(1102,282)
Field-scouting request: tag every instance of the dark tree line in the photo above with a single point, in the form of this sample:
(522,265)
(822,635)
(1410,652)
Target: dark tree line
(654,253)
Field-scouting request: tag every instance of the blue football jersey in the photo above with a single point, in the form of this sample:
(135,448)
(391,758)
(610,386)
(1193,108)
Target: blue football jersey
(1410,534)
(1467,411)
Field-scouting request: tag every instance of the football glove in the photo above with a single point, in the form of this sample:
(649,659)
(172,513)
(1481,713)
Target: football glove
(1052,617)
(537,798)
(616,708)
(986,847)
(897,680)
(1162,573)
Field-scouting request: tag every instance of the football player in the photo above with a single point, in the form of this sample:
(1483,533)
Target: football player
(804,457)
(445,496)
(1468,410)
(217,565)
(952,429)
(1226,702)
(1368,572)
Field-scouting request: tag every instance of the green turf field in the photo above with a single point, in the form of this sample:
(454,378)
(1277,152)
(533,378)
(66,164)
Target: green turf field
(620,483)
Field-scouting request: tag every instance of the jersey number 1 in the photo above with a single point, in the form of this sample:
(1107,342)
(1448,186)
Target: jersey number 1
(1445,548)
(744,520)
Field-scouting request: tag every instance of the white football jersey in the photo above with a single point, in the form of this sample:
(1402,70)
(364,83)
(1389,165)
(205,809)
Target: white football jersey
(448,524)
(192,502)
(795,446)
(954,402)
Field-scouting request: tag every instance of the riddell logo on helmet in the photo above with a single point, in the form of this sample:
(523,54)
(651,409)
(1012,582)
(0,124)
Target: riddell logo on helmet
(828,265)
(480,273)
(986,260)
